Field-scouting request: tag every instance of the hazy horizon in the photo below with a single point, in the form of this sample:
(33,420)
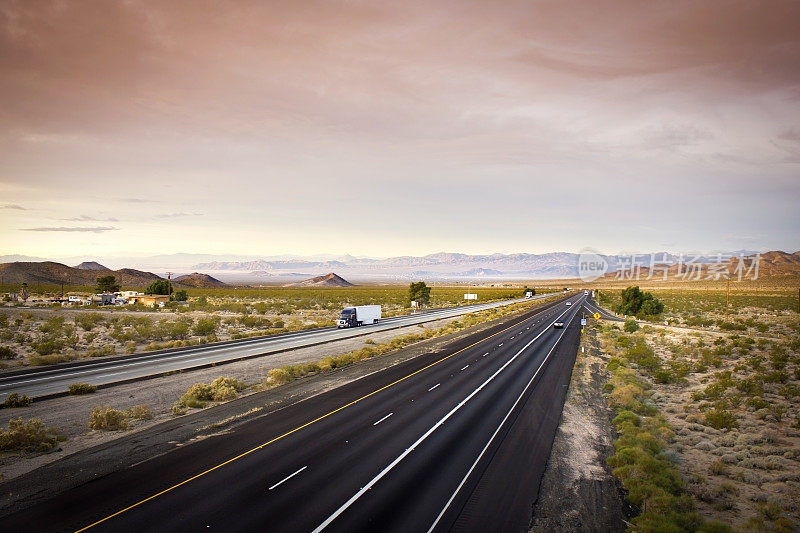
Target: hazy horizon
(381,129)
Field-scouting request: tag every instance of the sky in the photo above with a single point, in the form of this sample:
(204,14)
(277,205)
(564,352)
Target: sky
(398,128)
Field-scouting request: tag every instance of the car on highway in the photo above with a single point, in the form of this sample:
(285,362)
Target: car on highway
(569,303)
(558,324)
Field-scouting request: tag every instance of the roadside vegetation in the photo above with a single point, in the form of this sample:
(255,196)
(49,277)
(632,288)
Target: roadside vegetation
(708,418)
(199,395)
(105,418)
(29,436)
(81,388)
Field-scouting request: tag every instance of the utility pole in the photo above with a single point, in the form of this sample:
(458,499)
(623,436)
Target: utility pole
(727,299)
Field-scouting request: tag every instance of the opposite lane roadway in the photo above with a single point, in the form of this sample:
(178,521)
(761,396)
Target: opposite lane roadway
(447,441)
(49,381)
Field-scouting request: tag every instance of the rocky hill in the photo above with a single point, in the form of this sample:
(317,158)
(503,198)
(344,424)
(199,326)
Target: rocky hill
(52,273)
(328,280)
(196,280)
(91,265)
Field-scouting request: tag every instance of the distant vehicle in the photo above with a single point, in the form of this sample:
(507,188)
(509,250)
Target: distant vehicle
(586,293)
(558,324)
(75,299)
(358,316)
(569,303)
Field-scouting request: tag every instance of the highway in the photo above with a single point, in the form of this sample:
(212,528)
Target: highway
(449,441)
(40,382)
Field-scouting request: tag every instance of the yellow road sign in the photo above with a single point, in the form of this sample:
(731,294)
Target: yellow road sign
(597,316)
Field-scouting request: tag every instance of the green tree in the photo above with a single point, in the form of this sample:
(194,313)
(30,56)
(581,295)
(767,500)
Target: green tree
(638,303)
(181,296)
(419,292)
(161,286)
(107,284)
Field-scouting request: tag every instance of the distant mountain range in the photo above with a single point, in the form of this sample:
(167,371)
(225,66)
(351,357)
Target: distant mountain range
(443,266)
(439,266)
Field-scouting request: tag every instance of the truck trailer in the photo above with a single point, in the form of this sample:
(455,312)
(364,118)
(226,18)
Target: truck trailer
(358,316)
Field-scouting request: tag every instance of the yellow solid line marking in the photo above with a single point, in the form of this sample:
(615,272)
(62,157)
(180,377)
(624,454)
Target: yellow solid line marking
(326,415)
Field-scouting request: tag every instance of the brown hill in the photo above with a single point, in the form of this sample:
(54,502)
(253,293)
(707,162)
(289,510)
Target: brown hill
(196,280)
(770,264)
(51,273)
(328,280)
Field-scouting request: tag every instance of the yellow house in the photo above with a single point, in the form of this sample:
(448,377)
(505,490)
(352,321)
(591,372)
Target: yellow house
(149,299)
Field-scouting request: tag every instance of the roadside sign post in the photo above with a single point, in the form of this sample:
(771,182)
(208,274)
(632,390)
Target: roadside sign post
(597,316)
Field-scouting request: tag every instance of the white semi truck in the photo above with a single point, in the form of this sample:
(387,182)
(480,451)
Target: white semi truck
(358,316)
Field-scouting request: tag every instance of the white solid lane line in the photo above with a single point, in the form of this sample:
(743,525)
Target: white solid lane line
(382,419)
(434,387)
(466,367)
(427,434)
(287,478)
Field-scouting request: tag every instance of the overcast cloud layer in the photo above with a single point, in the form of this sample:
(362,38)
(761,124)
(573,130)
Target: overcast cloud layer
(398,128)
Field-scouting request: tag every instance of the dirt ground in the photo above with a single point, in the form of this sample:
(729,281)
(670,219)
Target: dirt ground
(578,491)
(70,414)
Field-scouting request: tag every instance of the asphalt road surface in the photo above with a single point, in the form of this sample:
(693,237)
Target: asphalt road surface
(449,441)
(48,381)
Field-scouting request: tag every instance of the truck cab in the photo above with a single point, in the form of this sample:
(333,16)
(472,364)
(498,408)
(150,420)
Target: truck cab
(347,318)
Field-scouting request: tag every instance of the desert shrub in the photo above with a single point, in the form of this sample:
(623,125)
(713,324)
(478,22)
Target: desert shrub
(108,349)
(644,356)
(48,345)
(81,388)
(757,402)
(720,418)
(752,386)
(631,326)
(140,412)
(108,419)
(197,396)
(53,324)
(718,468)
(30,436)
(7,353)
(130,347)
(226,388)
(205,326)
(53,359)
(87,321)
(789,391)
(281,375)
(17,400)
(776,376)
(252,321)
